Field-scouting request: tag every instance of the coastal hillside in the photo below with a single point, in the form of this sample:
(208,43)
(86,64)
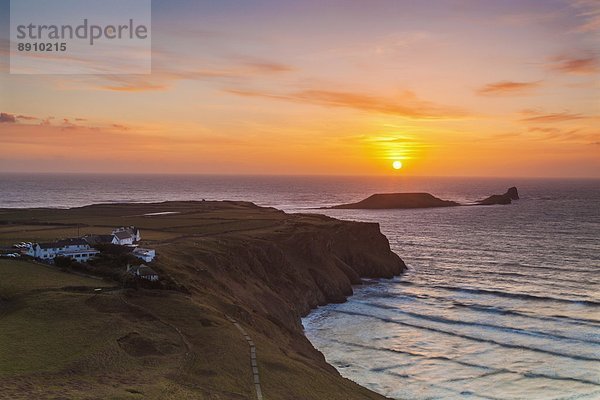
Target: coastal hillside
(239,274)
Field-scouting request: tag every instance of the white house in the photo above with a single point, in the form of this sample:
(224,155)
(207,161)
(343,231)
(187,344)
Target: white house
(127,235)
(76,249)
(143,272)
(124,238)
(145,254)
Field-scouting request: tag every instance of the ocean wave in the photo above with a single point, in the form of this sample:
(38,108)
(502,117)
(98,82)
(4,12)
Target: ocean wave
(465,278)
(577,357)
(470,393)
(470,273)
(491,370)
(520,296)
(486,308)
(555,269)
(444,320)
(554,318)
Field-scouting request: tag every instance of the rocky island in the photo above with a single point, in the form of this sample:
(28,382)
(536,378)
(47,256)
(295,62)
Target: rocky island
(506,198)
(239,274)
(399,200)
(421,200)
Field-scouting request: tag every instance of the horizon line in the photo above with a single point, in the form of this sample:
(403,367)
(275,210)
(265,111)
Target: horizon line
(257,175)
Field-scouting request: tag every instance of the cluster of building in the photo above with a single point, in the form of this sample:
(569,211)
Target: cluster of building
(82,249)
(123,236)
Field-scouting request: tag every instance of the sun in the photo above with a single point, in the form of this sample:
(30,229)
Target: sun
(397,164)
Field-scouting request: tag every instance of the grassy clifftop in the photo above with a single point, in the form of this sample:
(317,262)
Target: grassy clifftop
(258,265)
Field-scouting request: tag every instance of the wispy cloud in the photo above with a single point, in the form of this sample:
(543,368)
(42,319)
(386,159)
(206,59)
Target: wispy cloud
(26,118)
(407,105)
(120,127)
(7,118)
(575,65)
(571,134)
(536,116)
(589,13)
(252,65)
(503,88)
(162,78)
(66,135)
(56,132)
(60,123)
(131,84)
(552,133)
(506,136)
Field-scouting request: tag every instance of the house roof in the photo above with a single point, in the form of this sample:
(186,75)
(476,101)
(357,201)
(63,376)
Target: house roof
(143,270)
(95,239)
(123,235)
(63,243)
(139,250)
(88,252)
(131,229)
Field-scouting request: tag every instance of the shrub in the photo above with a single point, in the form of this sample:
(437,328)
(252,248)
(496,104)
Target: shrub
(66,263)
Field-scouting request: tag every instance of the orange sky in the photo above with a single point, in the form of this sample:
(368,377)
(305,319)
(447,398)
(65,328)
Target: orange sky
(466,88)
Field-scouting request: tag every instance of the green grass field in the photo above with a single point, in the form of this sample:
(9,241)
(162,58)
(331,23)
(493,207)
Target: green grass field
(60,343)
(21,277)
(65,342)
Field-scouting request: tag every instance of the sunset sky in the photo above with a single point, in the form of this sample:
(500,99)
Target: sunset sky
(465,88)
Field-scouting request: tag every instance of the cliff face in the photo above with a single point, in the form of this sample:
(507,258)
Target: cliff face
(327,261)
(309,261)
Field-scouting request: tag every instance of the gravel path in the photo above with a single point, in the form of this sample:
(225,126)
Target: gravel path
(253,361)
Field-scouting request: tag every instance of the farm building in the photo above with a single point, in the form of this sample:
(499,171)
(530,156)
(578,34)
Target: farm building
(145,254)
(127,235)
(143,272)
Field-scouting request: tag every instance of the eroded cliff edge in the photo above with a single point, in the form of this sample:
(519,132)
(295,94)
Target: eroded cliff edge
(306,261)
(276,267)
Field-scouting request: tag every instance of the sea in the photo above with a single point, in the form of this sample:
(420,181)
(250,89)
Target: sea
(499,302)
